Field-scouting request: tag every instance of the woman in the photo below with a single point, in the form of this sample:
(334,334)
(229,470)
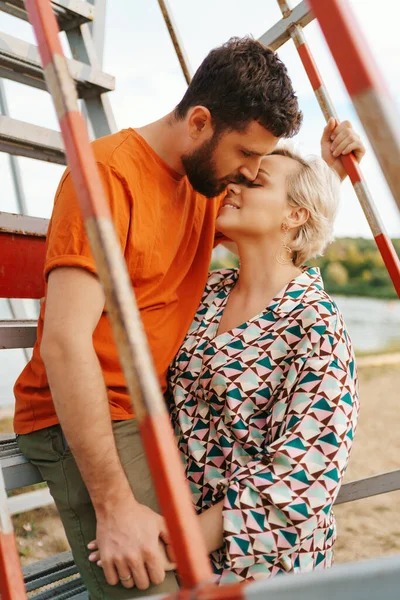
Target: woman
(263,392)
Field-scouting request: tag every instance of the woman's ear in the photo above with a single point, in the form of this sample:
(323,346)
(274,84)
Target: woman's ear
(298,216)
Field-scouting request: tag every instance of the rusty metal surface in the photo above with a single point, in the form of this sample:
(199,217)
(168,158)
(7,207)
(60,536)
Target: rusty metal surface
(285,8)
(21,266)
(23,225)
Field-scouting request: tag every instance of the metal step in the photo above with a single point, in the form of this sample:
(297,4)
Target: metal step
(20,62)
(69,13)
(17,334)
(54,570)
(17,470)
(25,139)
(29,501)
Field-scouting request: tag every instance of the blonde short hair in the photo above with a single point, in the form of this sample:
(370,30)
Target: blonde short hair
(315,187)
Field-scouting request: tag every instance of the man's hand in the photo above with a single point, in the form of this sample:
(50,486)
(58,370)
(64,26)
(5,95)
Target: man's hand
(128,542)
(128,532)
(339,140)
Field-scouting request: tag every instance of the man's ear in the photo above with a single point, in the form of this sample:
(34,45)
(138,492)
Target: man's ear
(298,216)
(200,123)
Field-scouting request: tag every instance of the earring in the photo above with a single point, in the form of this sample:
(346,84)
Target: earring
(285,254)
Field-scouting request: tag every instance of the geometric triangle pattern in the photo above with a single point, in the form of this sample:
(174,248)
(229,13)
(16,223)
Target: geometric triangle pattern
(264,417)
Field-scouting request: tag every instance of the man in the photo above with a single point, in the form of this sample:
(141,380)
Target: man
(163,182)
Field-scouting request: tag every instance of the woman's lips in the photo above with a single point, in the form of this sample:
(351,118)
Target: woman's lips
(227,203)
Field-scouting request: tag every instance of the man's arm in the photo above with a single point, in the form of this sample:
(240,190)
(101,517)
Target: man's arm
(127,532)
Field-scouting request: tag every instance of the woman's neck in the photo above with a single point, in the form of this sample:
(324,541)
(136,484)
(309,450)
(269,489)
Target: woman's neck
(260,272)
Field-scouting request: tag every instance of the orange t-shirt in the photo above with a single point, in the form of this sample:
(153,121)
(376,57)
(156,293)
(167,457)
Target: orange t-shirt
(166,231)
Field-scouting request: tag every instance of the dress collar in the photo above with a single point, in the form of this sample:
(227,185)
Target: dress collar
(298,291)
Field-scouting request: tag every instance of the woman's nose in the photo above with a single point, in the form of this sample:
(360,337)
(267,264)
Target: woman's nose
(233,188)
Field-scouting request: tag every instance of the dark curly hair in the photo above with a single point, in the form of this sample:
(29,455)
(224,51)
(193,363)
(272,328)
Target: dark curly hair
(244,81)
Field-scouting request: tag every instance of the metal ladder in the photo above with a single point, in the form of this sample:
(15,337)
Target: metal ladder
(20,62)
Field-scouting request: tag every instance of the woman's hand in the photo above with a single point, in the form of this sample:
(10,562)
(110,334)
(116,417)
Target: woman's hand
(339,140)
(169,563)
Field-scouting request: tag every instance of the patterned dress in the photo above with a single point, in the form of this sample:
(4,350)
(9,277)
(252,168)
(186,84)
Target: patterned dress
(264,416)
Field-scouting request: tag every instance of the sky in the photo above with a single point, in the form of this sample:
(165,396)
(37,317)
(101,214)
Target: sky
(149,83)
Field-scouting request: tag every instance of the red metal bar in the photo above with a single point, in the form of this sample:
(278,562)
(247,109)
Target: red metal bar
(382,240)
(148,403)
(12,585)
(21,266)
(364,83)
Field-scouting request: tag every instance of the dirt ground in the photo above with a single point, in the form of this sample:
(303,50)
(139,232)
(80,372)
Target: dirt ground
(366,528)
(371,527)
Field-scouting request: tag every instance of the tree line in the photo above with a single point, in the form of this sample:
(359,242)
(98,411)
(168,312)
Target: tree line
(349,267)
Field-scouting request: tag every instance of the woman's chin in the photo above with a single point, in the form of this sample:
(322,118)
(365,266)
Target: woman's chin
(226,224)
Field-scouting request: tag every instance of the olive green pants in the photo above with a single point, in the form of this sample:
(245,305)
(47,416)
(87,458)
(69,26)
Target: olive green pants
(46,449)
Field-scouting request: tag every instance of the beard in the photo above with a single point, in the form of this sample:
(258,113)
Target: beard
(201,169)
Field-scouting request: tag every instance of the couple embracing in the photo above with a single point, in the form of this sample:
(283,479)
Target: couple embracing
(256,364)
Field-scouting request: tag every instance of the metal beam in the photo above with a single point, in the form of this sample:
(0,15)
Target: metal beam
(366,580)
(17,334)
(25,139)
(14,166)
(20,61)
(69,13)
(17,470)
(29,501)
(23,225)
(97,107)
(370,486)
(280,32)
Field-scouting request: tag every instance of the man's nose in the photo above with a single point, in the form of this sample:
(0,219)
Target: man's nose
(250,170)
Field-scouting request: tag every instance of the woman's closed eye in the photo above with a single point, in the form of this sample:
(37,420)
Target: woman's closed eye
(253,184)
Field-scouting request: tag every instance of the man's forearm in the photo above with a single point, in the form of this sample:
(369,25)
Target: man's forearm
(80,398)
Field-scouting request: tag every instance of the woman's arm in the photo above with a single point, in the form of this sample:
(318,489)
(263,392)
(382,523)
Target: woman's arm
(340,139)
(278,499)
